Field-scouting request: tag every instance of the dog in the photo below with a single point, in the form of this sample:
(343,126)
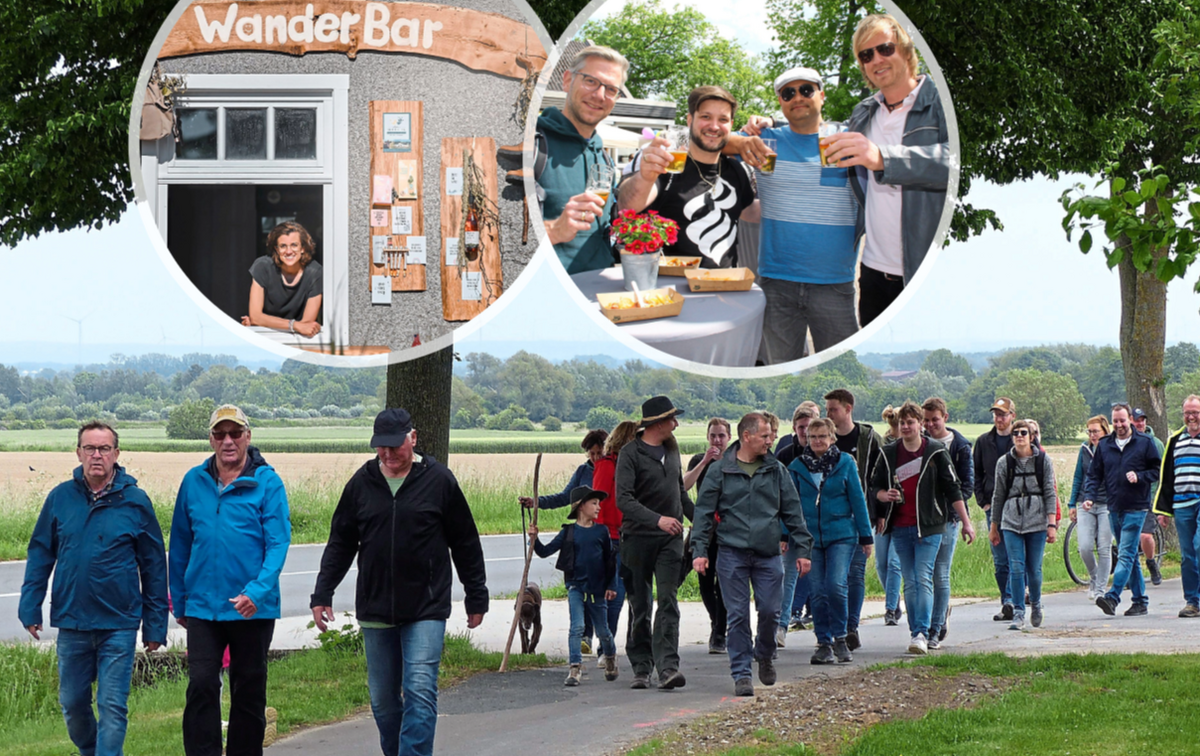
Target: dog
(531,618)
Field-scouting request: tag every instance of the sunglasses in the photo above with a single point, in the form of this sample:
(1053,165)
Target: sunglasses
(234,434)
(1021,432)
(886,50)
(806,90)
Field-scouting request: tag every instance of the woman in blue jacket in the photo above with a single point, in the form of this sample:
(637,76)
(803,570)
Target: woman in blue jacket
(836,512)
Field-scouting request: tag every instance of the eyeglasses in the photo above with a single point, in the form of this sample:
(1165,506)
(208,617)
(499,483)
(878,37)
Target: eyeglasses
(91,451)
(234,434)
(818,437)
(886,50)
(806,90)
(1021,432)
(1095,432)
(1191,413)
(591,84)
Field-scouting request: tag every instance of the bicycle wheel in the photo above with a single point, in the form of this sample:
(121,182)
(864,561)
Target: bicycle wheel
(1075,566)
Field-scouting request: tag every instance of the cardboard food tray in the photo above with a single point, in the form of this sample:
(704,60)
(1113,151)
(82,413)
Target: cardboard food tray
(677,270)
(632,314)
(720,279)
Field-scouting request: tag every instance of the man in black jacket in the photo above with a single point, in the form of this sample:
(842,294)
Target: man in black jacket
(405,517)
(989,448)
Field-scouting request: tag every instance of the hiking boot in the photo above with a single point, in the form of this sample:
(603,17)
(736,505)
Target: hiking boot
(716,644)
(585,648)
(1035,615)
(1018,622)
(640,682)
(934,644)
(918,645)
(1189,611)
(1155,573)
(898,612)
(271,732)
(743,686)
(842,651)
(1005,614)
(574,675)
(766,672)
(1107,605)
(941,636)
(780,636)
(610,668)
(671,680)
(1137,610)
(823,655)
(889,618)
(852,640)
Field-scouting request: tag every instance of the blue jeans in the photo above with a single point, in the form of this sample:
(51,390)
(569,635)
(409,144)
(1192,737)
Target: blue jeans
(941,578)
(614,606)
(793,309)
(1025,553)
(856,586)
(1000,562)
(917,555)
(402,675)
(1128,528)
(739,570)
(830,568)
(1189,547)
(795,592)
(598,611)
(104,657)
(887,567)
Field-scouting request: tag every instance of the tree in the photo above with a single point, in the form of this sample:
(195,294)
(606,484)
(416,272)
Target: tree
(1050,398)
(190,419)
(944,364)
(423,387)
(1102,381)
(1182,358)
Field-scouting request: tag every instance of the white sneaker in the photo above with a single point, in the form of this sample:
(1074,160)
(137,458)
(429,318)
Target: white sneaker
(918,645)
(780,636)
(1018,622)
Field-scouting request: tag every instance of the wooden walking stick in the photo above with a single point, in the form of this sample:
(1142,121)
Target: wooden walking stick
(512,631)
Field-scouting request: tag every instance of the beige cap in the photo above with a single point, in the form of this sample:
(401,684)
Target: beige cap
(1004,404)
(228,412)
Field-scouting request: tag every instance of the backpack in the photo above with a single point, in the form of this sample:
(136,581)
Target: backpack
(541,149)
(1039,471)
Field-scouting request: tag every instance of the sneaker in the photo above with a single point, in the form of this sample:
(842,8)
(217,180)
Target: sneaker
(852,640)
(842,651)
(1092,594)
(574,675)
(798,623)
(1005,614)
(918,645)
(898,612)
(716,644)
(610,668)
(640,682)
(600,661)
(780,636)
(1189,611)
(941,636)
(743,687)
(1107,605)
(889,618)
(1018,622)
(1155,573)
(1137,610)
(1035,615)
(671,680)
(934,644)
(270,732)
(585,648)
(823,655)
(766,672)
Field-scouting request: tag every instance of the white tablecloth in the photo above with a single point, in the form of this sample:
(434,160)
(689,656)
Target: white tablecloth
(715,328)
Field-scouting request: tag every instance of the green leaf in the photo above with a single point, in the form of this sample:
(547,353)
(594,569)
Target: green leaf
(1118,184)
(1132,198)
(1085,242)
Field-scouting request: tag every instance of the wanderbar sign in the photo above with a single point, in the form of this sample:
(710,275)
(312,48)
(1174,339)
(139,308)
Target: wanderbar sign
(478,40)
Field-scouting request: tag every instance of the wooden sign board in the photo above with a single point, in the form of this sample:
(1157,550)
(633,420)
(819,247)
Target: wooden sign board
(454,307)
(480,41)
(396,143)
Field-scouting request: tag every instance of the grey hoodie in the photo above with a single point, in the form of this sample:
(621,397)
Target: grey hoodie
(1025,508)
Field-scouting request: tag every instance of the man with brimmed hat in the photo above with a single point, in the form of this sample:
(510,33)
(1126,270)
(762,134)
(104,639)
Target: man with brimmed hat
(229,538)
(989,448)
(405,517)
(653,501)
(806,247)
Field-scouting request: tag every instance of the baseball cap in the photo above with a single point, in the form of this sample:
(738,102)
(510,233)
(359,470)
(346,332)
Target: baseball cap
(228,412)
(1004,404)
(392,427)
(1138,413)
(798,74)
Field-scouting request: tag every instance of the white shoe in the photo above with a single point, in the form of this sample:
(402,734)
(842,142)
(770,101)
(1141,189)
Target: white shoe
(918,645)
(780,636)
(1018,622)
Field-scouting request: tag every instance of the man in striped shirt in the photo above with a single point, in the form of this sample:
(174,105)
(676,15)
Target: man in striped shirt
(1179,497)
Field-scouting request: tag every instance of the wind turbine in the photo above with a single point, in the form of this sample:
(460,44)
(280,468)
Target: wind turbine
(202,327)
(79,323)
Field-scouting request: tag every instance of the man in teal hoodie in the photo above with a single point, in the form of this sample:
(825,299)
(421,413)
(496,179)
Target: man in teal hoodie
(577,220)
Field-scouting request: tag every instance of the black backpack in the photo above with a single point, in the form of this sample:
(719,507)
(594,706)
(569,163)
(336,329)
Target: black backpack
(1039,471)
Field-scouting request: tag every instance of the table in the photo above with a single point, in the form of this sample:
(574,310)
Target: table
(319,343)
(715,328)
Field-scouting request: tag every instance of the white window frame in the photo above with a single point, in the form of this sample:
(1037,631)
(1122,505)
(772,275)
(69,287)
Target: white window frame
(329,95)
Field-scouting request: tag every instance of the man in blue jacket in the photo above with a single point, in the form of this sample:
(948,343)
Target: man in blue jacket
(229,539)
(98,534)
(1127,462)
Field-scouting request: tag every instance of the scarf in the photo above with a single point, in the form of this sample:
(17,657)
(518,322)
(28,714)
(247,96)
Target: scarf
(823,464)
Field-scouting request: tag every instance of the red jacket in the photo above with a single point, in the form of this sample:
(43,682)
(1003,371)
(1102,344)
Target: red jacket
(604,478)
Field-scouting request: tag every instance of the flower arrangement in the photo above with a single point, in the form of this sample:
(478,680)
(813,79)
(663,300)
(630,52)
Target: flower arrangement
(643,234)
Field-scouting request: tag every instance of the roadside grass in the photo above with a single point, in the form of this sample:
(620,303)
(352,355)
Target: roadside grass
(307,688)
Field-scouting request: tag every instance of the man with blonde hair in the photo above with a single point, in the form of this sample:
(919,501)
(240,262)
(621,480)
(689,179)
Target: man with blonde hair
(898,144)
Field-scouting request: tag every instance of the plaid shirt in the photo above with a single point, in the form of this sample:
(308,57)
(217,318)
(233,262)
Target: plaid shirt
(95,496)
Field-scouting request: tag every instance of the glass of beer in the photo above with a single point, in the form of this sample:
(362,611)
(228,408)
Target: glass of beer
(828,129)
(600,180)
(768,165)
(678,147)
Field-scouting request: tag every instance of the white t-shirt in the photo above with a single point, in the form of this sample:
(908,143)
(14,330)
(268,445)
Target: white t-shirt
(884,246)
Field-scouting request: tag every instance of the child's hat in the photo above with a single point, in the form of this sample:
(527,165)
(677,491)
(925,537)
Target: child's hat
(581,494)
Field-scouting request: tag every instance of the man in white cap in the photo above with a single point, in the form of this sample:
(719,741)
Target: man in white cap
(806,249)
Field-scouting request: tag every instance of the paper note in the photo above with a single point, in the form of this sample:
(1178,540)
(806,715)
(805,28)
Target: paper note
(381,290)
(379,217)
(472,286)
(381,193)
(378,245)
(402,220)
(452,250)
(406,179)
(416,250)
(397,132)
(454,182)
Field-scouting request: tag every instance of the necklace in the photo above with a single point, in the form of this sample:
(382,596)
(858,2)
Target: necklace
(712,185)
(893,105)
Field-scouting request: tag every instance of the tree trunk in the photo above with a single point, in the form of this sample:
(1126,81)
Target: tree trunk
(422,386)
(1143,337)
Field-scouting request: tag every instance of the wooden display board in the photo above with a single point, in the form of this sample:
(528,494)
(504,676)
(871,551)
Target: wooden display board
(407,276)
(454,307)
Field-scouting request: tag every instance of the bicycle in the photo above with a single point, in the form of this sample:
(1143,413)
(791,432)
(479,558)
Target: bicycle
(1078,570)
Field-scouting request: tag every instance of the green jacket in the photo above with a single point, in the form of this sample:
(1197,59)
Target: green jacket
(750,508)
(937,488)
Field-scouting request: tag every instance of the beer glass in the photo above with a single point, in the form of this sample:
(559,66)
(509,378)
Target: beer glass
(768,165)
(828,129)
(678,147)
(600,180)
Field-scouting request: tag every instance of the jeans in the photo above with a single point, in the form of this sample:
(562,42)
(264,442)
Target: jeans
(106,658)
(856,586)
(652,561)
(1025,553)
(710,593)
(1189,547)
(888,569)
(741,570)
(614,606)
(830,568)
(795,592)
(1093,531)
(402,675)
(1000,562)
(941,578)
(1128,526)
(598,611)
(876,291)
(917,555)
(248,642)
(795,308)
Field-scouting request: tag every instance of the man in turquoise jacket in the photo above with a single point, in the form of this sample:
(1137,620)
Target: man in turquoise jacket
(98,534)
(229,539)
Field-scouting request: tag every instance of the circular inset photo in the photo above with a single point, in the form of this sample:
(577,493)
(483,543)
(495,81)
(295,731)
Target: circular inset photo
(756,191)
(343,176)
